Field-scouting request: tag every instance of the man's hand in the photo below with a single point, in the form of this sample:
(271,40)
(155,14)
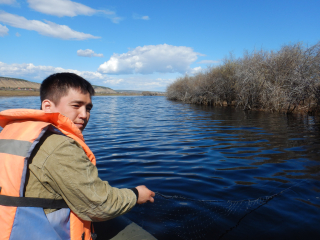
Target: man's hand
(145,194)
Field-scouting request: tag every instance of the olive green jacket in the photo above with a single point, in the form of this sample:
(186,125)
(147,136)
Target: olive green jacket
(60,169)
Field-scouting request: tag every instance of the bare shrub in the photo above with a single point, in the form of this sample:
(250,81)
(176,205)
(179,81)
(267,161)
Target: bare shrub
(178,89)
(293,70)
(250,80)
(284,80)
(226,80)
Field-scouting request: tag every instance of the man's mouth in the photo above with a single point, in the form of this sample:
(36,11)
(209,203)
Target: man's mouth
(79,125)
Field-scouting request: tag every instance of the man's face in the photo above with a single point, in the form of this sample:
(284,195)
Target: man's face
(75,105)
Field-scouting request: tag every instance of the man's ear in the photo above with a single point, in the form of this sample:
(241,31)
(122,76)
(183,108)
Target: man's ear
(47,106)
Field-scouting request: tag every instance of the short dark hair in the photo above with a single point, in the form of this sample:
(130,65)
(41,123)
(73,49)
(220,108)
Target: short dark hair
(57,85)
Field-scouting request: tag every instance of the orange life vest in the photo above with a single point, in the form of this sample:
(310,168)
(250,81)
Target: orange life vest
(22,129)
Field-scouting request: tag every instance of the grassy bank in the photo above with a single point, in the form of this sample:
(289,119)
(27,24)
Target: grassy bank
(12,93)
(286,80)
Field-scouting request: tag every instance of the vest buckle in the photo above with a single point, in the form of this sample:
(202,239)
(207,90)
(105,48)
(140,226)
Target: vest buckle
(94,236)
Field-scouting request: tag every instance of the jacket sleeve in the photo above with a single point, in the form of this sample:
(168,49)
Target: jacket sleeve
(70,173)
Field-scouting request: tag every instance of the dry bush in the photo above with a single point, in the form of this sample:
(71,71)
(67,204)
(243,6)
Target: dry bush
(177,89)
(284,80)
(226,80)
(250,80)
(292,71)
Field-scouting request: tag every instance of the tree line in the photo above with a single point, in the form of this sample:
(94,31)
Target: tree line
(285,80)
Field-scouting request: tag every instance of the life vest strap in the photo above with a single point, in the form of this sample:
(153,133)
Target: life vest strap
(46,203)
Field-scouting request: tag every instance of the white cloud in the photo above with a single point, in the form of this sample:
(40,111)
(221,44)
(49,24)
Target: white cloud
(18,34)
(7,2)
(138,83)
(113,81)
(116,19)
(161,58)
(47,29)
(208,62)
(62,8)
(142,83)
(32,72)
(88,53)
(195,70)
(3,31)
(147,83)
(29,70)
(165,81)
(137,16)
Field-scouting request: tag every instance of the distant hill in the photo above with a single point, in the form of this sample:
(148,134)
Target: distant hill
(101,89)
(16,83)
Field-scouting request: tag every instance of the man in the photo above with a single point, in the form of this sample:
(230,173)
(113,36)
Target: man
(61,168)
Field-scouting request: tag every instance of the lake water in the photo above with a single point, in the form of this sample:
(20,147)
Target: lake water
(219,173)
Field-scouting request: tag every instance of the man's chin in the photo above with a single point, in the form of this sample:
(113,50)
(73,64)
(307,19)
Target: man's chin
(80,126)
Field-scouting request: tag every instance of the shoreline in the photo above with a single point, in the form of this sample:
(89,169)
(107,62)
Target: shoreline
(27,93)
(300,110)
(18,93)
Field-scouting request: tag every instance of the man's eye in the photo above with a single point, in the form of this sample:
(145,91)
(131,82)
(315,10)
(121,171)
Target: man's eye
(88,109)
(75,106)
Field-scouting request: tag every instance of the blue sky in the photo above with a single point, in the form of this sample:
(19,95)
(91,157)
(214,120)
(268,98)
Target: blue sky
(143,45)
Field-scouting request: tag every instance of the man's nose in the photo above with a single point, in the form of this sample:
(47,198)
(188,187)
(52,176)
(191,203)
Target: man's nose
(83,112)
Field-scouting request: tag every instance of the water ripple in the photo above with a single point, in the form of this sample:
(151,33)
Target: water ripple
(204,152)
